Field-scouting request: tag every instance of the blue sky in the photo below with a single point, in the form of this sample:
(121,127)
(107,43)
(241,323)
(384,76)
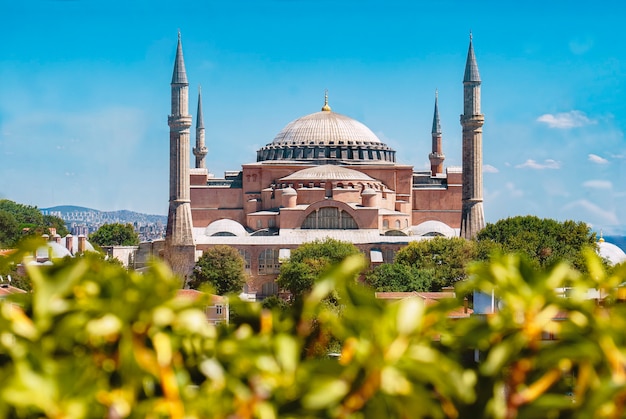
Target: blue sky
(84,93)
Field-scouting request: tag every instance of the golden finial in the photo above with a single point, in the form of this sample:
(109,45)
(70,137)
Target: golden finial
(326,108)
(601,239)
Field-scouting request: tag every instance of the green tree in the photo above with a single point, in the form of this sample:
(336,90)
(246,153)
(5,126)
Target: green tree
(9,229)
(543,241)
(309,261)
(443,260)
(57,223)
(221,267)
(397,277)
(24,214)
(18,220)
(115,234)
(29,221)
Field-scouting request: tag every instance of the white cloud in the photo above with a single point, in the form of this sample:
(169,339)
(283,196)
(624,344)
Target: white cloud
(566,120)
(606,217)
(487,168)
(598,184)
(547,164)
(513,191)
(594,158)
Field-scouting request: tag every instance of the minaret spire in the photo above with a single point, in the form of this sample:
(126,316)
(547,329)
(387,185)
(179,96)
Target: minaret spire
(326,108)
(179,245)
(471,67)
(436,157)
(200,150)
(180,75)
(472,216)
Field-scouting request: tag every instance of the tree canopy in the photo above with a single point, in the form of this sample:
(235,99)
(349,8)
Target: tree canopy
(18,220)
(440,261)
(115,234)
(221,267)
(543,241)
(307,262)
(425,265)
(397,277)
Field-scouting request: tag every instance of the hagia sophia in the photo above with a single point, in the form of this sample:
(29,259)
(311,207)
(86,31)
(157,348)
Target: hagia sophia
(323,175)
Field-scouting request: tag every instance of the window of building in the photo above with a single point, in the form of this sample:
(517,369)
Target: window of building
(218,309)
(389,255)
(329,218)
(268,262)
(269,288)
(385,224)
(398,224)
(245,255)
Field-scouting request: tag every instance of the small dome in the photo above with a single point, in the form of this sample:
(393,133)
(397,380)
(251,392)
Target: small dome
(611,252)
(433,228)
(289,192)
(328,172)
(369,191)
(53,250)
(225,227)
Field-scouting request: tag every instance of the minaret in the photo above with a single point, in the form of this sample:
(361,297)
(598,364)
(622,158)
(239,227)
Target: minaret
(472,216)
(179,245)
(200,150)
(436,156)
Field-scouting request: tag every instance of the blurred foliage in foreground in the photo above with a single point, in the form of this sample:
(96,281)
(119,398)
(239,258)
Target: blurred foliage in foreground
(94,340)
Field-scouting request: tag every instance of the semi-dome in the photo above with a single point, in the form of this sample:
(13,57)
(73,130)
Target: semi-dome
(328,173)
(327,137)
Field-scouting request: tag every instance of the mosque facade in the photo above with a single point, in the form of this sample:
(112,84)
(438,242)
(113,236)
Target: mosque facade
(323,175)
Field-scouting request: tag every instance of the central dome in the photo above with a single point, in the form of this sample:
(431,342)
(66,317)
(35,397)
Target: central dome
(327,137)
(325,127)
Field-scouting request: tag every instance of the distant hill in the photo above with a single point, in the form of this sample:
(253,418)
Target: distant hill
(75,213)
(68,208)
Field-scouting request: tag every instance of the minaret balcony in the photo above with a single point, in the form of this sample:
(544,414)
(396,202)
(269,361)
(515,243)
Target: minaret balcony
(201,151)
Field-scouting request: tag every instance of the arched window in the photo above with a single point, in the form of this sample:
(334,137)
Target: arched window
(268,262)
(398,224)
(385,224)
(329,218)
(389,255)
(269,288)
(245,255)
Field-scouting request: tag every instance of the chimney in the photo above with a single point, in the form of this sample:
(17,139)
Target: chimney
(69,243)
(57,238)
(82,243)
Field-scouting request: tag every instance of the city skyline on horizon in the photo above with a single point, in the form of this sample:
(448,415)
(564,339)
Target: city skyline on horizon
(86,124)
